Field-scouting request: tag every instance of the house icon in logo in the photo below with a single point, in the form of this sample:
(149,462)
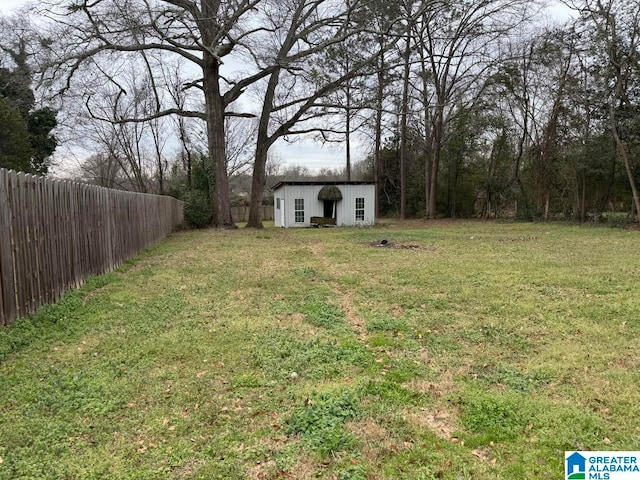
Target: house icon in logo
(576,467)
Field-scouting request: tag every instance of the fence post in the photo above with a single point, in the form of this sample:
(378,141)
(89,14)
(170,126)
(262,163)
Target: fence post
(7,281)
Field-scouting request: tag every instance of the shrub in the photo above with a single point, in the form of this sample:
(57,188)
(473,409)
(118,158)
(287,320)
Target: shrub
(197,209)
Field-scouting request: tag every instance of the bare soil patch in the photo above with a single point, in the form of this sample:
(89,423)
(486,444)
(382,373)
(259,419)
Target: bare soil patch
(400,246)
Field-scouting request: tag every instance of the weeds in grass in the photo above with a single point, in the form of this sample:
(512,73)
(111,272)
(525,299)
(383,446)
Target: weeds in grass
(387,323)
(321,420)
(507,416)
(510,377)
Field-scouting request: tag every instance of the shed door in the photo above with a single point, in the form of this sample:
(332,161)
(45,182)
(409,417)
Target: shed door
(282,217)
(329,209)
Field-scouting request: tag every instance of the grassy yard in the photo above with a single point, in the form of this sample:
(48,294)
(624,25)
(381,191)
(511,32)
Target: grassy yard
(463,350)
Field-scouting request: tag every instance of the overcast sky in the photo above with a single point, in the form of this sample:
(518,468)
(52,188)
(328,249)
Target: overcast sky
(8,5)
(307,153)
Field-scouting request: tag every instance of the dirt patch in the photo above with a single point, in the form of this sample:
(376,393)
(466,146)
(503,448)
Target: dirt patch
(445,385)
(394,246)
(377,441)
(440,422)
(345,295)
(304,469)
(369,430)
(267,468)
(399,246)
(189,469)
(485,454)
(291,318)
(263,470)
(350,312)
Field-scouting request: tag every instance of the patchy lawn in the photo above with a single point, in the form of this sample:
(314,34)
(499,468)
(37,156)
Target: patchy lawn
(456,350)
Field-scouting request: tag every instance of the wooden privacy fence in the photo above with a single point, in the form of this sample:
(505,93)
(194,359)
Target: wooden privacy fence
(241,214)
(54,234)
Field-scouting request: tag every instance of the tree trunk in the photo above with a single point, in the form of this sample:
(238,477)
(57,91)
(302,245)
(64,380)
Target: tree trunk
(583,201)
(550,137)
(259,176)
(546,206)
(263,143)
(377,153)
(428,136)
(348,133)
(378,126)
(404,109)
(186,153)
(518,165)
(435,162)
(427,182)
(258,183)
(218,179)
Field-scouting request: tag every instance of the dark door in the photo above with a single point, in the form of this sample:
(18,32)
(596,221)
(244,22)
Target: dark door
(329,209)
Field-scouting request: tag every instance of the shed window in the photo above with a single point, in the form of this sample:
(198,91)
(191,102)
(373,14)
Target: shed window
(278,204)
(298,208)
(360,209)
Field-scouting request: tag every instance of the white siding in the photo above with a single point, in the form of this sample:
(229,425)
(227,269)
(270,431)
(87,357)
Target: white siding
(278,213)
(312,207)
(345,209)
(346,214)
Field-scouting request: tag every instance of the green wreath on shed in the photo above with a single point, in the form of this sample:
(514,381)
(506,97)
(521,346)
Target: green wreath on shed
(329,193)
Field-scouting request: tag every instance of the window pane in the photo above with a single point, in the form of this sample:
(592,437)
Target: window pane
(298,210)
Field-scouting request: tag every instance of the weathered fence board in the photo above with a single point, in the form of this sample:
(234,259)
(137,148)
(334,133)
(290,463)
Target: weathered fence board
(8,308)
(54,234)
(241,214)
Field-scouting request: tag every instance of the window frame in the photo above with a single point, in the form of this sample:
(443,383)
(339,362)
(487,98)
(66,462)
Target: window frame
(298,210)
(360,210)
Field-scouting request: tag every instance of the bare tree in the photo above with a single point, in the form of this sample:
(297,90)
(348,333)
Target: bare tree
(291,99)
(404,106)
(461,43)
(102,170)
(202,33)
(558,52)
(515,93)
(383,14)
(138,147)
(240,138)
(617,26)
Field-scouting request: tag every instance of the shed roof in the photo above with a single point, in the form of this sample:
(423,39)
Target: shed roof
(313,182)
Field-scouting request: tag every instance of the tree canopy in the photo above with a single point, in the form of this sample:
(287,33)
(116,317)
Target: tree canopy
(464,108)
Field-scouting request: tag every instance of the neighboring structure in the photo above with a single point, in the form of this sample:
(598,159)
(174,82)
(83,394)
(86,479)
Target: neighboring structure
(305,204)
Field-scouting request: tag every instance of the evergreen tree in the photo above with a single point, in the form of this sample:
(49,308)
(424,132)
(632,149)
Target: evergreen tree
(26,141)
(15,151)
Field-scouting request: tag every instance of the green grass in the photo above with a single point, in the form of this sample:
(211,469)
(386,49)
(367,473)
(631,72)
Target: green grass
(485,353)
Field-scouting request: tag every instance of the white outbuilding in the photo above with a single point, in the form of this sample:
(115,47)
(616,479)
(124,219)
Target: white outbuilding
(306,204)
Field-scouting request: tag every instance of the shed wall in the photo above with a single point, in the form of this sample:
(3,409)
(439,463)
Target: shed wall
(345,209)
